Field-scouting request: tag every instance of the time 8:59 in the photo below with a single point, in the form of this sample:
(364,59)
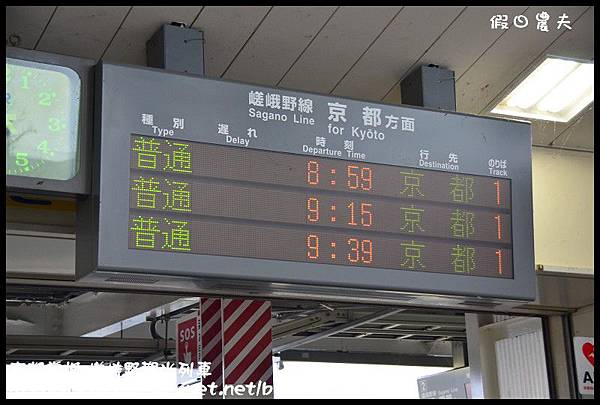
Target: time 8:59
(356,177)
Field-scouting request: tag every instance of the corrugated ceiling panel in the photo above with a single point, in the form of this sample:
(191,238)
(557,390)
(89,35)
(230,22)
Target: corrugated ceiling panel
(507,58)
(129,45)
(282,39)
(82,31)
(395,51)
(345,37)
(521,366)
(276,44)
(578,42)
(458,48)
(226,29)
(27,22)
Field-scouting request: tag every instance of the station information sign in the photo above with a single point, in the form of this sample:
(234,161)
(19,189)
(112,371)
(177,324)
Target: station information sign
(222,200)
(211,179)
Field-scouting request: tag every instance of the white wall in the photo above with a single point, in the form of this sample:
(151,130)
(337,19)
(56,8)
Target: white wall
(563,208)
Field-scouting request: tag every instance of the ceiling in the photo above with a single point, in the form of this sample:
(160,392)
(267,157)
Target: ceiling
(360,52)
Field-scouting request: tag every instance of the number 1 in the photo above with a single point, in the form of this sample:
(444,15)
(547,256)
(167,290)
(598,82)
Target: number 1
(25,80)
(497,183)
(497,218)
(499,254)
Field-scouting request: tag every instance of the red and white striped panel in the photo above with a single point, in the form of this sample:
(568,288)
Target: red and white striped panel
(212,343)
(247,341)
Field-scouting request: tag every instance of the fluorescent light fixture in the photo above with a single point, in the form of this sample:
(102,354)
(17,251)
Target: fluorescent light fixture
(557,90)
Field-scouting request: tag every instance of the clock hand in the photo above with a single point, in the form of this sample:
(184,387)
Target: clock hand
(14,139)
(10,126)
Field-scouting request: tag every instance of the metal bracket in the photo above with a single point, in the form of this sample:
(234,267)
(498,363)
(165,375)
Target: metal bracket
(429,86)
(177,48)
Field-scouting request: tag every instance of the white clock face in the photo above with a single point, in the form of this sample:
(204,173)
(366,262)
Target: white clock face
(42,120)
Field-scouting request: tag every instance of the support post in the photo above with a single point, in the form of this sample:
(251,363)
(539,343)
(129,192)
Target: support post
(247,348)
(458,355)
(211,331)
(475,369)
(559,348)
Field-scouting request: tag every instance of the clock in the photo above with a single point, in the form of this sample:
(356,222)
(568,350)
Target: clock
(47,121)
(42,120)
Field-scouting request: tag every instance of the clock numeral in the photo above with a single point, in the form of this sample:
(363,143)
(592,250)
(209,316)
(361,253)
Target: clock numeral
(25,80)
(43,146)
(22,159)
(56,124)
(46,98)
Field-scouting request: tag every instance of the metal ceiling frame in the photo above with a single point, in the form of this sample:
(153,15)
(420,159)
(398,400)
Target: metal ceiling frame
(303,330)
(79,349)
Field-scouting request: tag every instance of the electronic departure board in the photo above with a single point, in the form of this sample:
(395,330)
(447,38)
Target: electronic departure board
(216,180)
(222,200)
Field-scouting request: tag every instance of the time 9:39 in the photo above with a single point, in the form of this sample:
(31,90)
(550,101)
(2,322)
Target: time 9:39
(356,251)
